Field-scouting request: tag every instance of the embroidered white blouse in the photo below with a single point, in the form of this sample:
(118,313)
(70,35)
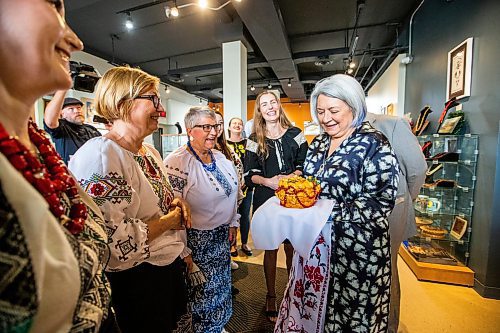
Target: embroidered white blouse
(212,196)
(129,189)
(64,271)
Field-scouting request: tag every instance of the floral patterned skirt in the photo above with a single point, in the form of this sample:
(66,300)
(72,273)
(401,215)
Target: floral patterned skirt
(304,304)
(211,302)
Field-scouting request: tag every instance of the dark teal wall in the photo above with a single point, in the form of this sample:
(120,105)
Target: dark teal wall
(439,26)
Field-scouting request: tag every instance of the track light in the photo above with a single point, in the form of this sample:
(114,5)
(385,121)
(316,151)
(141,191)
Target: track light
(129,24)
(200,101)
(173,11)
(269,85)
(350,70)
(352,64)
(252,88)
(167,90)
(289,82)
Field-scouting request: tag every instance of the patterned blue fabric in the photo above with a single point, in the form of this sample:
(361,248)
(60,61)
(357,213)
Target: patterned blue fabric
(219,176)
(361,175)
(211,302)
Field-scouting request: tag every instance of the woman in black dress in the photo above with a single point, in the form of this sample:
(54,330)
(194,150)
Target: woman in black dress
(275,150)
(238,143)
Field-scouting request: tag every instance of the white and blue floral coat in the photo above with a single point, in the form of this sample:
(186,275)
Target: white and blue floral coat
(343,286)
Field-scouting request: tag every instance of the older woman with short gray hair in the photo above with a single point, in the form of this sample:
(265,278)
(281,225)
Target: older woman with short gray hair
(207,180)
(343,285)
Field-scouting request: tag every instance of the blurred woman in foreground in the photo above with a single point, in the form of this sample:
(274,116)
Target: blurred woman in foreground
(52,239)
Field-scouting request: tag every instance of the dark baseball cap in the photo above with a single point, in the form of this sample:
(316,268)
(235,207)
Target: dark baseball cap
(71,101)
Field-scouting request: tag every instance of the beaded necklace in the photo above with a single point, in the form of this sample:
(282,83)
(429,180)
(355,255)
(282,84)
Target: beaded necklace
(208,167)
(51,178)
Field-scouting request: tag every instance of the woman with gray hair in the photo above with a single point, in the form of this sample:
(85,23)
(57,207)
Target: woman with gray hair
(208,181)
(343,285)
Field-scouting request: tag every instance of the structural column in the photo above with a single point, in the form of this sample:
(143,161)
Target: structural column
(234,71)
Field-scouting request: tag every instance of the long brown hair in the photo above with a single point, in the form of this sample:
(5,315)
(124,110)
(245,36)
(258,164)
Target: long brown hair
(221,144)
(259,123)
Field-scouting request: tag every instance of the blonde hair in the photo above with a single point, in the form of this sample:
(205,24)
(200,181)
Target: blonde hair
(116,90)
(259,123)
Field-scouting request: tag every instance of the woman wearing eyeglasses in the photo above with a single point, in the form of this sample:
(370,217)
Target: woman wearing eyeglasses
(127,180)
(207,180)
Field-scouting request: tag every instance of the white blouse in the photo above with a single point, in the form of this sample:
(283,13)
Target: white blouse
(213,202)
(121,184)
(56,269)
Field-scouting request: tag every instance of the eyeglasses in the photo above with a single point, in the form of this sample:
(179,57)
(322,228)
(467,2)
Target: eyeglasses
(153,98)
(207,128)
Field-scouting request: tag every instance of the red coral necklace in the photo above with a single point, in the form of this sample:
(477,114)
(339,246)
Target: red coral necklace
(51,178)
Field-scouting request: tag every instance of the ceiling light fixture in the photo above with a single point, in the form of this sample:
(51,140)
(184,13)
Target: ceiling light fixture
(129,24)
(252,88)
(323,61)
(173,10)
(289,82)
(269,85)
(167,90)
(352,64)
(200,101)
(350,70)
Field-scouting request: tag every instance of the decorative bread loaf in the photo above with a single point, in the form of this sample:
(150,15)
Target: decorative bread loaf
(298,192)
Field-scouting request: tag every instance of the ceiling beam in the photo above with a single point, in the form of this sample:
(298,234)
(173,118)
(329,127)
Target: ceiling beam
(264,22)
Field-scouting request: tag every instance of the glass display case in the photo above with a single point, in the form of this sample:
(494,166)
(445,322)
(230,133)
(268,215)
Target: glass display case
(171,142)
(444,207)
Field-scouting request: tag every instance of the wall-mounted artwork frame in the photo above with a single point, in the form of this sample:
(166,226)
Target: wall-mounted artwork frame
(459,72)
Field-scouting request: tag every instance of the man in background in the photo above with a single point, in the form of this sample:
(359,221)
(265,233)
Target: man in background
(64,121)
(411,178)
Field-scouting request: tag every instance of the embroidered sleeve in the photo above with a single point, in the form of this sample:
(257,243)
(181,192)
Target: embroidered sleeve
(377,194)
(302,152)
(252,165)
(106,178)
(177,168)
(127,235)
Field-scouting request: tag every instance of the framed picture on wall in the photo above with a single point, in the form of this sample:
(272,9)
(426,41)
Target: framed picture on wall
(459,70)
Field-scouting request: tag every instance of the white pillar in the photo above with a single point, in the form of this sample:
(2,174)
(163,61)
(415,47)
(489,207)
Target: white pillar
(234,71)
